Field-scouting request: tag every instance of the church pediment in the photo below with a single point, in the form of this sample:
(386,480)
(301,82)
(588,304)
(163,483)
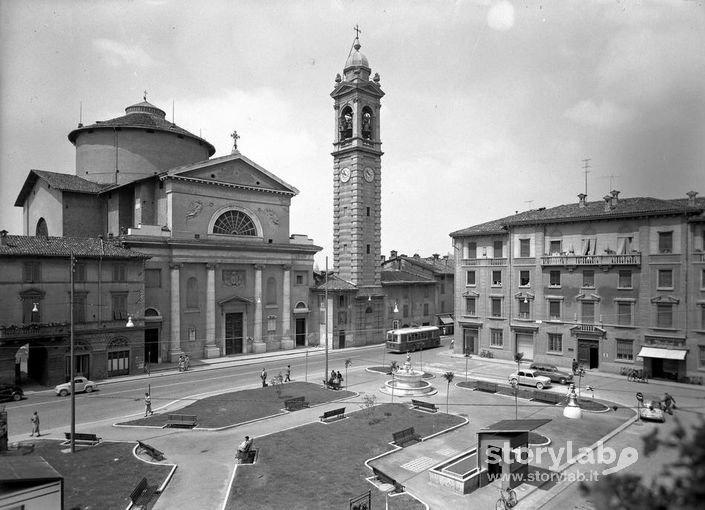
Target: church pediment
(234,170)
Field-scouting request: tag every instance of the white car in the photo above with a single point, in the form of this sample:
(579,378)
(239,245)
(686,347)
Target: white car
(81,383)
(652,409)
(530,378)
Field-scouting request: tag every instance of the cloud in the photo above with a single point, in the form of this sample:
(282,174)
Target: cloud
(604,114)
(501,16)
(116,53)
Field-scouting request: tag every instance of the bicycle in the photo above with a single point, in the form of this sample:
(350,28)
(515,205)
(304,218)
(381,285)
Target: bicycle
(505,503)
(638,376)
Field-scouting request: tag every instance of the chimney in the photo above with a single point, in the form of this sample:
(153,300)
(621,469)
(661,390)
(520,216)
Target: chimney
(436,255)
(615,198)
(393,254)
(3,237)
(608,202)
(581,198)
(383,258)
(691,198)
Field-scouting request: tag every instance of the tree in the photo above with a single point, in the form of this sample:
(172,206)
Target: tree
(518,356)
(448,376)
(393,367)
(348,362)
(681,483)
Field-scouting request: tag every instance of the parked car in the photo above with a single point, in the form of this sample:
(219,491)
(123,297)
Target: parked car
(81,383)
(530,378)
(11,392)
(652,409)
(554,373)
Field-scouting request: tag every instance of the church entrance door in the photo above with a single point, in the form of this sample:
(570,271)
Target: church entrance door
(233,333)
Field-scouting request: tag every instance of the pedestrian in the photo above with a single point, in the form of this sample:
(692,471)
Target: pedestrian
(244,447)
(340,377)
(148,405)
(288,374)
(35,424)
(669,403)
(187,362)
(181,362)
(263,376)
(575,366)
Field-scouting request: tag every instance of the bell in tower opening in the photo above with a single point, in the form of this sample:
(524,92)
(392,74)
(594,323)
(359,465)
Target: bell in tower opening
(346,123)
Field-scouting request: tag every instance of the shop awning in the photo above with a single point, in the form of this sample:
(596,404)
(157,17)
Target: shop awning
(655,352)
(446,320)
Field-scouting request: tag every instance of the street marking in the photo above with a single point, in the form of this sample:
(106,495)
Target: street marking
(448,452)
(418,465)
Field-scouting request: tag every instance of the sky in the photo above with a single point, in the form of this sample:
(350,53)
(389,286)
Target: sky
(491,106)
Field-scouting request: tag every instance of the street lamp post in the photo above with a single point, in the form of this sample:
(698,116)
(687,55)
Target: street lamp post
(73,361)
(466,365)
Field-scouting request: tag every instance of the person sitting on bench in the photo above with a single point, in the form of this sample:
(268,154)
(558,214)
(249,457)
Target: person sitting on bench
(244,447)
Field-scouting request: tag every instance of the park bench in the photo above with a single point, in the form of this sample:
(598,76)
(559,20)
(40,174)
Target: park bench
(548,396)
(79,437)
(428,406)
(340,412)
(247,456)
(405,436)
(295,404)
(331,385)
(141,494)
(489,387)
(181,420)
(151,451)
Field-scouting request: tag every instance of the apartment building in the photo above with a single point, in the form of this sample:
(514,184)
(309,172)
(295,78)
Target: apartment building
(613,283)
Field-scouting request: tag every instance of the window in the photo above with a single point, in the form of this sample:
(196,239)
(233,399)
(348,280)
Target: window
(625,279)
(426,291)
(524,278)
(342,302)
(496,338)
(425,308)
(589,278)
(405,312)
(118,362)
(524,309)
(368,211)
(625,350)
(588,312)
(153,278)
(665,279)
(702,317)
(624,245)
(555,342)
(702,279)
(496,307)
(79,307)
(470,278)
(664,315)
(701,356)
(470,306)
(119,272)
(554,247)
(496,278)
(271,322)
(119,305)
(589,246)
(443,288)
(301,278)
(234,223)
(368,249)
(472,250)
(624,314)
(554,310)
(498,249)
(31,272)
(665,242)
(525,247)
(79,273)
(192,293)
(271,291)
(28,306)
(554,279)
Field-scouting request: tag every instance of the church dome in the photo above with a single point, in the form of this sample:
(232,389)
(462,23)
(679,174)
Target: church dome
(357,59)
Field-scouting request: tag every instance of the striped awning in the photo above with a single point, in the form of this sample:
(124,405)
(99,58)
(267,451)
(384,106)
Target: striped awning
(656,352)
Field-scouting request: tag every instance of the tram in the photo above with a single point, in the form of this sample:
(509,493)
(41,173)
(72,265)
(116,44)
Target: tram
(413,339)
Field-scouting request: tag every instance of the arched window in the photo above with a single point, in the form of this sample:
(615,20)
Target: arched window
(271,297)
(346,123)
(42,230)
(366,123)
(192,293)
(234,223)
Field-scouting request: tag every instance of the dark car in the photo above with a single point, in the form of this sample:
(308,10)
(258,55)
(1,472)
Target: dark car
(10,392)
(554,373)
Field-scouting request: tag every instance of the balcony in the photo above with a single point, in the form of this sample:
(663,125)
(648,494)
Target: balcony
(484,261)
(612,259)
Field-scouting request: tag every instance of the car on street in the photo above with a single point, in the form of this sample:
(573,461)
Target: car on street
(554,373)
(529,377)
(652,409)
(11,392)
(81,383)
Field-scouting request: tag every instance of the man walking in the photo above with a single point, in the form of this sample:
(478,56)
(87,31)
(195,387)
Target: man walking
(263,376)
(148,405)
(669,403)
(288,374)
(35,424)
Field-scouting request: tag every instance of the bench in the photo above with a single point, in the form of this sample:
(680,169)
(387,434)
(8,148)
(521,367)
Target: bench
(181,420)
(340,412)
(78,437)
(151,451)
(295,404)
(489,387)
(247,456)
(141,494)
(547,396)
(428,406)
(405,436)
(331,385)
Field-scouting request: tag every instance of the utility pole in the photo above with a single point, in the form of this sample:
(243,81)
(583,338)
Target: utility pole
(325,374)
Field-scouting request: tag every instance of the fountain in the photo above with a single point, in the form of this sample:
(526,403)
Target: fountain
(407,382)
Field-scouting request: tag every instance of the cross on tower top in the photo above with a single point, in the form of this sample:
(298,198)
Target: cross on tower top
(145,95)
(357,30)
(235,138)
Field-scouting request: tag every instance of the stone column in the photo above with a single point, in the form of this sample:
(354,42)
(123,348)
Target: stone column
(258,343)
(211,349)
(287,341)
(175,314)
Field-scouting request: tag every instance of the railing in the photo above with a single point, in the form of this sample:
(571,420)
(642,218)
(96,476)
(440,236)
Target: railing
(484,261)
(633,259)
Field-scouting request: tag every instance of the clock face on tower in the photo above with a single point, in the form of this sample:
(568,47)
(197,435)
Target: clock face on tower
(369,174)
(345,174)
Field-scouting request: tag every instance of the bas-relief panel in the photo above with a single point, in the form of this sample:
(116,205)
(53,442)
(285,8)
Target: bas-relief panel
(234,277)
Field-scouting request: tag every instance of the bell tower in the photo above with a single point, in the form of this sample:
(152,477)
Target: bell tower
(357,174)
